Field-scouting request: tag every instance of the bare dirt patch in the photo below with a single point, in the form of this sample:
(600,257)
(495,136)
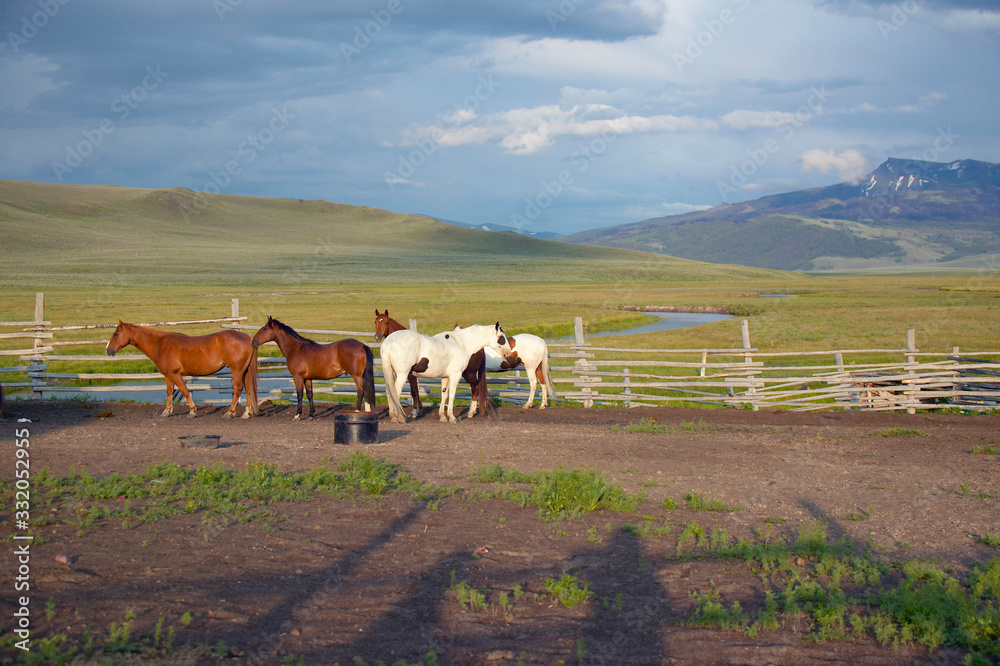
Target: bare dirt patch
(337,580)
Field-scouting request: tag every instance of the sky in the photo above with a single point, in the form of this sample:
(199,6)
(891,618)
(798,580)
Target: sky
(551,115)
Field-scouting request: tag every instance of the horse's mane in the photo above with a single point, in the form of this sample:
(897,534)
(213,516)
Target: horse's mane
(290,331)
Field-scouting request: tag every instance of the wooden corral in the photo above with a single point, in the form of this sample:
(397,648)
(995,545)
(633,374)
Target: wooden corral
(904,378)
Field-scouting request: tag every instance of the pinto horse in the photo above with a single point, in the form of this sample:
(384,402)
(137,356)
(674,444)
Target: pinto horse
(176,355)
(308,360)
(531,352)
(474,373)
(446,355)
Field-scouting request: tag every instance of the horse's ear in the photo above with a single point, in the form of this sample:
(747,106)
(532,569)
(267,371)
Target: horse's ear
(120,322)
(376,313)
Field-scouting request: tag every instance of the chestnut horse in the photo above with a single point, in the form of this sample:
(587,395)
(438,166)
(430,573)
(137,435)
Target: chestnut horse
(474,374)
(176,355)
(308,360)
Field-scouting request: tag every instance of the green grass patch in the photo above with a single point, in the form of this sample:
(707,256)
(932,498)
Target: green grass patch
(898,431)
(221,495)
(839,592)
(650,426)
(568,591)
(561,494)
(986,450)
(697,502)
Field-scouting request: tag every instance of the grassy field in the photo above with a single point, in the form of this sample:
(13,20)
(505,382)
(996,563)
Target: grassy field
(100,253)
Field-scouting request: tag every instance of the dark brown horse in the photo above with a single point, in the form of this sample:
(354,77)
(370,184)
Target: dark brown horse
(176,355)
(475,373)
(308,360)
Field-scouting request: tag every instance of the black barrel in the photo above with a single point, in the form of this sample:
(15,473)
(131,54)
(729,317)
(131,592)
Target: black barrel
(355,428)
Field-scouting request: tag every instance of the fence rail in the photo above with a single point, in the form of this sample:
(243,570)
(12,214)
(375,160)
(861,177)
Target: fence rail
(740,376)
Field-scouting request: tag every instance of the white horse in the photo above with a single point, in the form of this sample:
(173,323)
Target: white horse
(531,352)
(446,355)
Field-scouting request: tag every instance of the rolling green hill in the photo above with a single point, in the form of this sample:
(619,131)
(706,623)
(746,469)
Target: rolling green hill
(68,235)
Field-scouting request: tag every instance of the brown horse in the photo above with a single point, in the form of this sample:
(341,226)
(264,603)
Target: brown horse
(308,360)
(176,355)
(475,373)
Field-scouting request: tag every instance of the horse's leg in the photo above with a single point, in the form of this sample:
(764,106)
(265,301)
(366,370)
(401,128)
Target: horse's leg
(444,395)
(452,386)
(237,391)
(471,375)
(415,394)
(299,382)
(531,393)
(540,376)
(359,382)
(179,381)
(309,392)
(169,409)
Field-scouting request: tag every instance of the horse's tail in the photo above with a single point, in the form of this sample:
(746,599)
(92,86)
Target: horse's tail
(369,377)
(389,377)
(250,381)
(482,391)
(545,371)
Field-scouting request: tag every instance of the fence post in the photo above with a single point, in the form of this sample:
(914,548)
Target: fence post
(234,309)
(37,360)
(704,363)
(748,361)
(582,363)
(627,391)
(911,360)
(413,324)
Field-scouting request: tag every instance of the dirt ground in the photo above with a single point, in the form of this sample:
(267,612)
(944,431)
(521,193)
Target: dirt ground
(339,581)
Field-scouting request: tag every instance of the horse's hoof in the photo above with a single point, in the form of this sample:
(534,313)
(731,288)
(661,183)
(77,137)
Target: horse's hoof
(228,415)
(164,415)
(526,407)
(296,417)
(191,415)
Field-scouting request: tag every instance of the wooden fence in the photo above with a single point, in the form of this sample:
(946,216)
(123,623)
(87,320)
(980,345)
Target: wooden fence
(903,378)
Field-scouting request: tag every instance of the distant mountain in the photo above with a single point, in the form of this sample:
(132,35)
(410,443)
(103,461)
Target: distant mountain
(904,213)
(500,227)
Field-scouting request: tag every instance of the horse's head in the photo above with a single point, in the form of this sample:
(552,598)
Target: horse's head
(502,343)
(382,327)
(264,334)
(120,338)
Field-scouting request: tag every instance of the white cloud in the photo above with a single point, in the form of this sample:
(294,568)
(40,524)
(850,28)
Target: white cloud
(24,79)
(849,164)
(526,131)
(744,119)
